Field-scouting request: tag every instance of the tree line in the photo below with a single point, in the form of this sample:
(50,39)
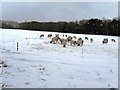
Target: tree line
(85,26)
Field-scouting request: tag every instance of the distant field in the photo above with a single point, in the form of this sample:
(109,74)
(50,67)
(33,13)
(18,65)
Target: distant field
(39,64)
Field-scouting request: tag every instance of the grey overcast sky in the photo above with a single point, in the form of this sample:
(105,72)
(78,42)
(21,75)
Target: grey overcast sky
(58,11)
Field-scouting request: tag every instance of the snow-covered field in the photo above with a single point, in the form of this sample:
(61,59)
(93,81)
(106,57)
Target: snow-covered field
(39,64)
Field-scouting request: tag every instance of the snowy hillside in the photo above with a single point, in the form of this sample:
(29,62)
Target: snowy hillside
(39,64)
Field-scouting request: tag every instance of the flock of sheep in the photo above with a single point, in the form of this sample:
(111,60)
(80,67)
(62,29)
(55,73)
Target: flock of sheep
(72,40)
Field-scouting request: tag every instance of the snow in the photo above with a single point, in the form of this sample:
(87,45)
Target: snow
(39,64)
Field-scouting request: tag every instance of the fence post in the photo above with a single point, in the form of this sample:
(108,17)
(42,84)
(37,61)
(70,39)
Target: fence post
(17,46)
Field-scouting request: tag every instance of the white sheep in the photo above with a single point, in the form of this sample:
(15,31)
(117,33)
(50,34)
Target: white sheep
(64,42)
(113,40)
(54,40)
(65,35)
(105,41)
(80,42)
(69,38)
(56,35)
(50,35)
(42,35)
(80,38)
(73,42)
(74,37)
(61,40)
(86,38)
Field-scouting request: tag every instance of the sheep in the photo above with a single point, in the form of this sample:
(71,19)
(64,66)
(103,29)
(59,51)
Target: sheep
(74,37)
(105,41)
(56,35)
(42,35)
(54,40)
(113,40)
(91,40)
(50,35)
(80,38)
(69,38)
(86,38)
(73,42)
(64,42)
(80,42)
(61,40)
